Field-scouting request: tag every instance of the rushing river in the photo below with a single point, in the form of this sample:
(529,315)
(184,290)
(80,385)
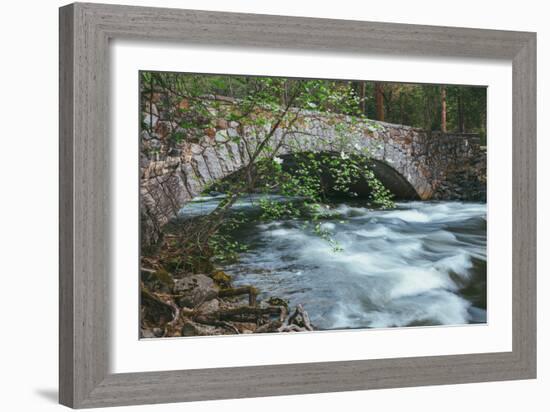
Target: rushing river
(422,263)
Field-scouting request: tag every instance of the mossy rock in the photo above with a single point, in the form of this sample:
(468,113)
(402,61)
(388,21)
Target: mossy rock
(275,301)
(221,278)
(194,290)
(158,281)
(165,277)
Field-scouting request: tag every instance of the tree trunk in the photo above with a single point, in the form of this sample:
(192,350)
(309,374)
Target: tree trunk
(460,106)
(379,92)
(428,111)
(443,109)
(401,104)
(362,103)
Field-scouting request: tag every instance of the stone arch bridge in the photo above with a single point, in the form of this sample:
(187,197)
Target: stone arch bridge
(412,163)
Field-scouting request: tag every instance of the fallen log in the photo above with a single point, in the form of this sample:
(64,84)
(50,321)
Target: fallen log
(251,291)
(269,327)
(240,313)
(218,323)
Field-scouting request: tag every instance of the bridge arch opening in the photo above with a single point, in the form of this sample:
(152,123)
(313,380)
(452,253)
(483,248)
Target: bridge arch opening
(392,180)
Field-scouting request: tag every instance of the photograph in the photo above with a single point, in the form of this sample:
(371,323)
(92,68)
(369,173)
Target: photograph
(272,204)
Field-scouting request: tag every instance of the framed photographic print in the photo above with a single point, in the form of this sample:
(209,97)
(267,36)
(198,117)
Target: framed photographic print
(263,205)
(283,192)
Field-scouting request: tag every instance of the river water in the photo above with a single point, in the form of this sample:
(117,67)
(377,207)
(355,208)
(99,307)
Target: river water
(422,263)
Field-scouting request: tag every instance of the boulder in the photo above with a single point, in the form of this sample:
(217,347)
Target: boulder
(221,278)
(208,307)
(275,301)
(157,280)
(194,290)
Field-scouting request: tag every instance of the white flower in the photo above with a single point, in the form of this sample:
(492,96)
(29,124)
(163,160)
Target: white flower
(343,156)
(278,160)
(357,147)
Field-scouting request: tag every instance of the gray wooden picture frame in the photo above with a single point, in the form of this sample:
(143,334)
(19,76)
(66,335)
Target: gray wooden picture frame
(85,31)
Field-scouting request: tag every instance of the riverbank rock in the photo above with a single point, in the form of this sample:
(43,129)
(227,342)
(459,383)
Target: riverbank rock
(297,322)
(194,290)
(197,329)
(275,301)
(157,280)
(221,278)
(210,306)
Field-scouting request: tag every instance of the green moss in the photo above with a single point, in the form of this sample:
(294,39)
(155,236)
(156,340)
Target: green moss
(275,301)
(165,277)
(221,278)
(158,281)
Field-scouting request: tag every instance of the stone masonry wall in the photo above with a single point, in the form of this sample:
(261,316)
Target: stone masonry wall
(459,166)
